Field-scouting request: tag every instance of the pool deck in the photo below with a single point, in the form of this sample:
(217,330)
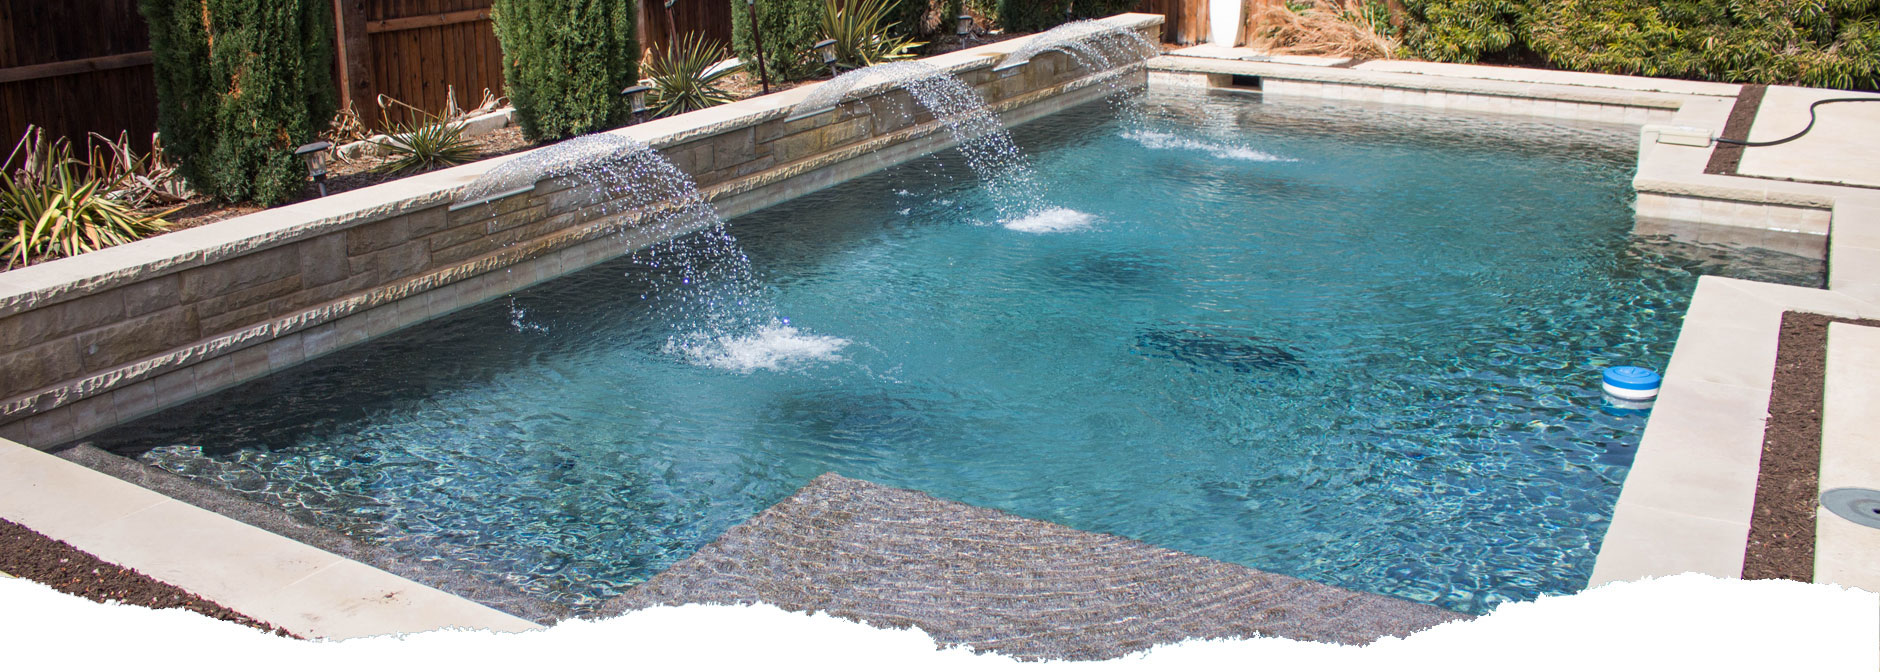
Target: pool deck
(906,559)
(1687,501)
(995,582)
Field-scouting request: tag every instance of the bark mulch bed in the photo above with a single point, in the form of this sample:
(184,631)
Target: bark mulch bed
(342,176)
(1725,157)
(1782,525)
(31,555)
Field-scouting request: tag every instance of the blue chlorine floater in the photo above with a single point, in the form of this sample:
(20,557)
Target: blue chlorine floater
(1631,383)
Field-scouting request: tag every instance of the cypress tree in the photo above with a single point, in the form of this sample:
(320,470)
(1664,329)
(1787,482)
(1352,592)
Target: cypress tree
(1097,9)
(1032,15)
(788,29)
(565,62)
(240,84)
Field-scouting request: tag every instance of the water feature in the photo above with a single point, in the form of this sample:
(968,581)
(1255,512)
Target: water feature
(977,131)
(692,268)
(1098,47)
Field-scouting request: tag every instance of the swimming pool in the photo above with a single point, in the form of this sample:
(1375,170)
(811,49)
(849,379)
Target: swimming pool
(1355,344)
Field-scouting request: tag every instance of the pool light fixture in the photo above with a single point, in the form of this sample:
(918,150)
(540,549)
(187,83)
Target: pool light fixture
(314,153)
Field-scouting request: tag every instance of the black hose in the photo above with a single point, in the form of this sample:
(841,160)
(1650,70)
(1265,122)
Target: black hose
(1805,129)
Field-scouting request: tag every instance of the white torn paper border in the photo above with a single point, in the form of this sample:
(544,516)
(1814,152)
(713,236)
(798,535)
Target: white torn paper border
(1687,622)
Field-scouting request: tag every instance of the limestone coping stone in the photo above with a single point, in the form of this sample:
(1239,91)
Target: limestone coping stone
(307,591)
(1419,82)
(60,279)
(1845,551)
(1566,77)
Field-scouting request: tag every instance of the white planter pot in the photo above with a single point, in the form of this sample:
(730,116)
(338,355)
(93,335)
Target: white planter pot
(1223,21)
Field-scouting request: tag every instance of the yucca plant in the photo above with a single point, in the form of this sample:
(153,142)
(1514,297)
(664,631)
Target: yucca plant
(425,143)
(683,79)
(861,31)
(50,207)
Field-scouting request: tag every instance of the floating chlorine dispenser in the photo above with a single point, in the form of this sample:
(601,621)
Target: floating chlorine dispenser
(1631,383)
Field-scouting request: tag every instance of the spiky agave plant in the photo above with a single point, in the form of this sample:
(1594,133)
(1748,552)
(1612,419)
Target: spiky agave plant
(49,208)
(860,29)
(683,78)
(425,143)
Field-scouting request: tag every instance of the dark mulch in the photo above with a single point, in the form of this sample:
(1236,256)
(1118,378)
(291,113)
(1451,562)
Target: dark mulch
(1725,157)
(342,176)
(31,555)
(1782,525)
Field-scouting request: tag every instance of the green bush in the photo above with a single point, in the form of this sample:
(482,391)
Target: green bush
(565,62)
(1097,9)
(1461,31)
(788,28)
(909,17)
(1032,15)
(1809,42)
(240,84)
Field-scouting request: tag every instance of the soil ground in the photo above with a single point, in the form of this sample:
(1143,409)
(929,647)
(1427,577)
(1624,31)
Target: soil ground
(31,555)
(1782,525)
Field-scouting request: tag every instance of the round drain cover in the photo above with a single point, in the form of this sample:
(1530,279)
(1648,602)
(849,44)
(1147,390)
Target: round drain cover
(1856,504)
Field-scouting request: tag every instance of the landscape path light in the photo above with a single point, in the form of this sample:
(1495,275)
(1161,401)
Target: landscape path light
(314,153)
(636,95)
(828,50)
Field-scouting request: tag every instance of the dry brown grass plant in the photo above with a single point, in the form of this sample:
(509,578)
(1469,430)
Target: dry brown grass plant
(1345,28)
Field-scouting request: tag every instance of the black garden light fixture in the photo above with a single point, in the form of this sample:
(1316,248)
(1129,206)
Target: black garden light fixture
(828,50)
(636,96)
(314,153)
(963,25)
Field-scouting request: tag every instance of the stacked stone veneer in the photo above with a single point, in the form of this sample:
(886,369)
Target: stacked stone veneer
(91,341)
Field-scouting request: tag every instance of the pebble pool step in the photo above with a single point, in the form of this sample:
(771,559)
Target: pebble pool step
(996,582)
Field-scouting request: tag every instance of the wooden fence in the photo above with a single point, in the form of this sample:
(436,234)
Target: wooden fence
(1183,21)
(81,66)
(75,67)
(417,52)
(711,17)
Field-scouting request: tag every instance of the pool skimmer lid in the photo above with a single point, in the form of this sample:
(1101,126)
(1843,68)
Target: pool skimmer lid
(1859,505)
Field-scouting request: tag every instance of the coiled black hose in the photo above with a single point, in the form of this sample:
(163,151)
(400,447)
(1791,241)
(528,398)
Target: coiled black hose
(1805,129)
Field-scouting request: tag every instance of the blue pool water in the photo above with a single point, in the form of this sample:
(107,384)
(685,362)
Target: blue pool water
(1352,344)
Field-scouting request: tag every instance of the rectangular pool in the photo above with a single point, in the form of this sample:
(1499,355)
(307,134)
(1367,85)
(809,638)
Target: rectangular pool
(1355,344)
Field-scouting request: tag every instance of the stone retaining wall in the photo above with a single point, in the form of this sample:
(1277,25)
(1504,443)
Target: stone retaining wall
(91,341)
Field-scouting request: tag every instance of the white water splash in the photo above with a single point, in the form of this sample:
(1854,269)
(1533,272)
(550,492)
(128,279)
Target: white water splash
(1219,150)
(773,348)
(1053,220)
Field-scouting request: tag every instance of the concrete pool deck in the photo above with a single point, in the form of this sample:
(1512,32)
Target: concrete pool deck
(1687,501)
(1684,507)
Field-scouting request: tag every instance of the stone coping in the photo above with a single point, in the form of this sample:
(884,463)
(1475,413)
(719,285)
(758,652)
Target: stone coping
(992,581)
(1848,554)
(1842,147)
(309,592)
(1686,502)
(123,264)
